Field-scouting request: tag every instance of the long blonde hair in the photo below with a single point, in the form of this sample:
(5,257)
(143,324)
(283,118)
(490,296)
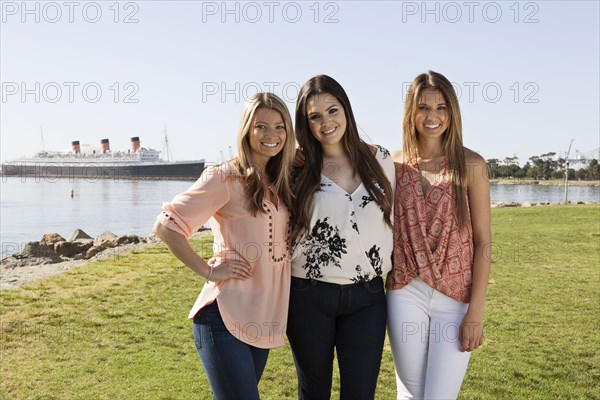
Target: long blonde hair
(278,167)
(452,140)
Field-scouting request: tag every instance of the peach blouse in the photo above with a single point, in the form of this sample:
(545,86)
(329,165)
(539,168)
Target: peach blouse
(253,310)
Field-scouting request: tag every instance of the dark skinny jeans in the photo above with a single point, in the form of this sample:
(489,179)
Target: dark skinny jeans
(349,318)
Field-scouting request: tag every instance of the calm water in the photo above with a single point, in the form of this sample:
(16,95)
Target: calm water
(30,207)
(542,193)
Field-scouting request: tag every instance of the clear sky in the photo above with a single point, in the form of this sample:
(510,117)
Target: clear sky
(527,73)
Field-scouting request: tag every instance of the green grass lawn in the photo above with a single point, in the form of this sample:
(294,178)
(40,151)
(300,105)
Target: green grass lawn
(117,329)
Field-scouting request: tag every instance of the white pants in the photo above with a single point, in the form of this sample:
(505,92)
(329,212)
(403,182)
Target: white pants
(423,328)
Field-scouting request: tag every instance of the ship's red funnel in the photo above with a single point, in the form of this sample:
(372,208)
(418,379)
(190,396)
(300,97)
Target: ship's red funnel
(135,144)
(105,145)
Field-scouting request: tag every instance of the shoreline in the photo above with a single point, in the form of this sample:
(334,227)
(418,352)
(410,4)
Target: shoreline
(504,204)
(12,278)
(15,277)
(553,182)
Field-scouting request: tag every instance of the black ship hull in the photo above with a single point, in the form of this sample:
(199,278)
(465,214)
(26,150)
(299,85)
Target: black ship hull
(93,171)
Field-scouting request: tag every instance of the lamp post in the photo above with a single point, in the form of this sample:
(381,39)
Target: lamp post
(567,170)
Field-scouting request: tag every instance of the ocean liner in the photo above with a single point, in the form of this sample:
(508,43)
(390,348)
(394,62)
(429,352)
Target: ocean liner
(102,163)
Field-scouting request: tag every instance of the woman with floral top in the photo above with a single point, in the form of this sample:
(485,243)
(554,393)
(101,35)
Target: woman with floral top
(442,239)
(342,247)
(241,312)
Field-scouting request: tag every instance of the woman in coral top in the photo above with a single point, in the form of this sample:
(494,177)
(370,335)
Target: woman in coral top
(242,310)
(442,244)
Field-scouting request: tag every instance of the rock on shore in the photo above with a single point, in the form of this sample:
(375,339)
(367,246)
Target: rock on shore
(53,248)
(36,268)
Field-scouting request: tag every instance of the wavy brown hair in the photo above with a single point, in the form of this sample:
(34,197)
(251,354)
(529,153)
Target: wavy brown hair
(307,179)
(278,167)
(452,140)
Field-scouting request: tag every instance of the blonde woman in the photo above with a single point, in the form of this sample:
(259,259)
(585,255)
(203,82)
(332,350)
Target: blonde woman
(442,238)
(242,310)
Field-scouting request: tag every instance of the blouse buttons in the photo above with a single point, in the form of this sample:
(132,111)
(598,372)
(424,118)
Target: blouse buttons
(271,247)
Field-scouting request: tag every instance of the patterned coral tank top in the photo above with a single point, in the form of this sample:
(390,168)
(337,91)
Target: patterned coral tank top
(427,240)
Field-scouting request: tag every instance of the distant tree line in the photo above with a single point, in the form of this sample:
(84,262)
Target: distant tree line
(542,167)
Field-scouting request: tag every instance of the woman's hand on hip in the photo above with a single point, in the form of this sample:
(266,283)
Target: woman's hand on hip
(231,269)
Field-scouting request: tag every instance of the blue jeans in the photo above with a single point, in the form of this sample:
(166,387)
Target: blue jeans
(233,367)
(348,318)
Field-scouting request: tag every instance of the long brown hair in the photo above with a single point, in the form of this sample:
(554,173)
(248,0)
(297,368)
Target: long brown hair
(308,178)
(452,140)
(278,167)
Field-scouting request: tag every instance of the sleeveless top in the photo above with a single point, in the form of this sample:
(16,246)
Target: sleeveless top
(428,242)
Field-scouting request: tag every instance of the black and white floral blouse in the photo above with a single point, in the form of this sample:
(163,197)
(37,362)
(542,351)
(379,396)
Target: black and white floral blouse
(348,241)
